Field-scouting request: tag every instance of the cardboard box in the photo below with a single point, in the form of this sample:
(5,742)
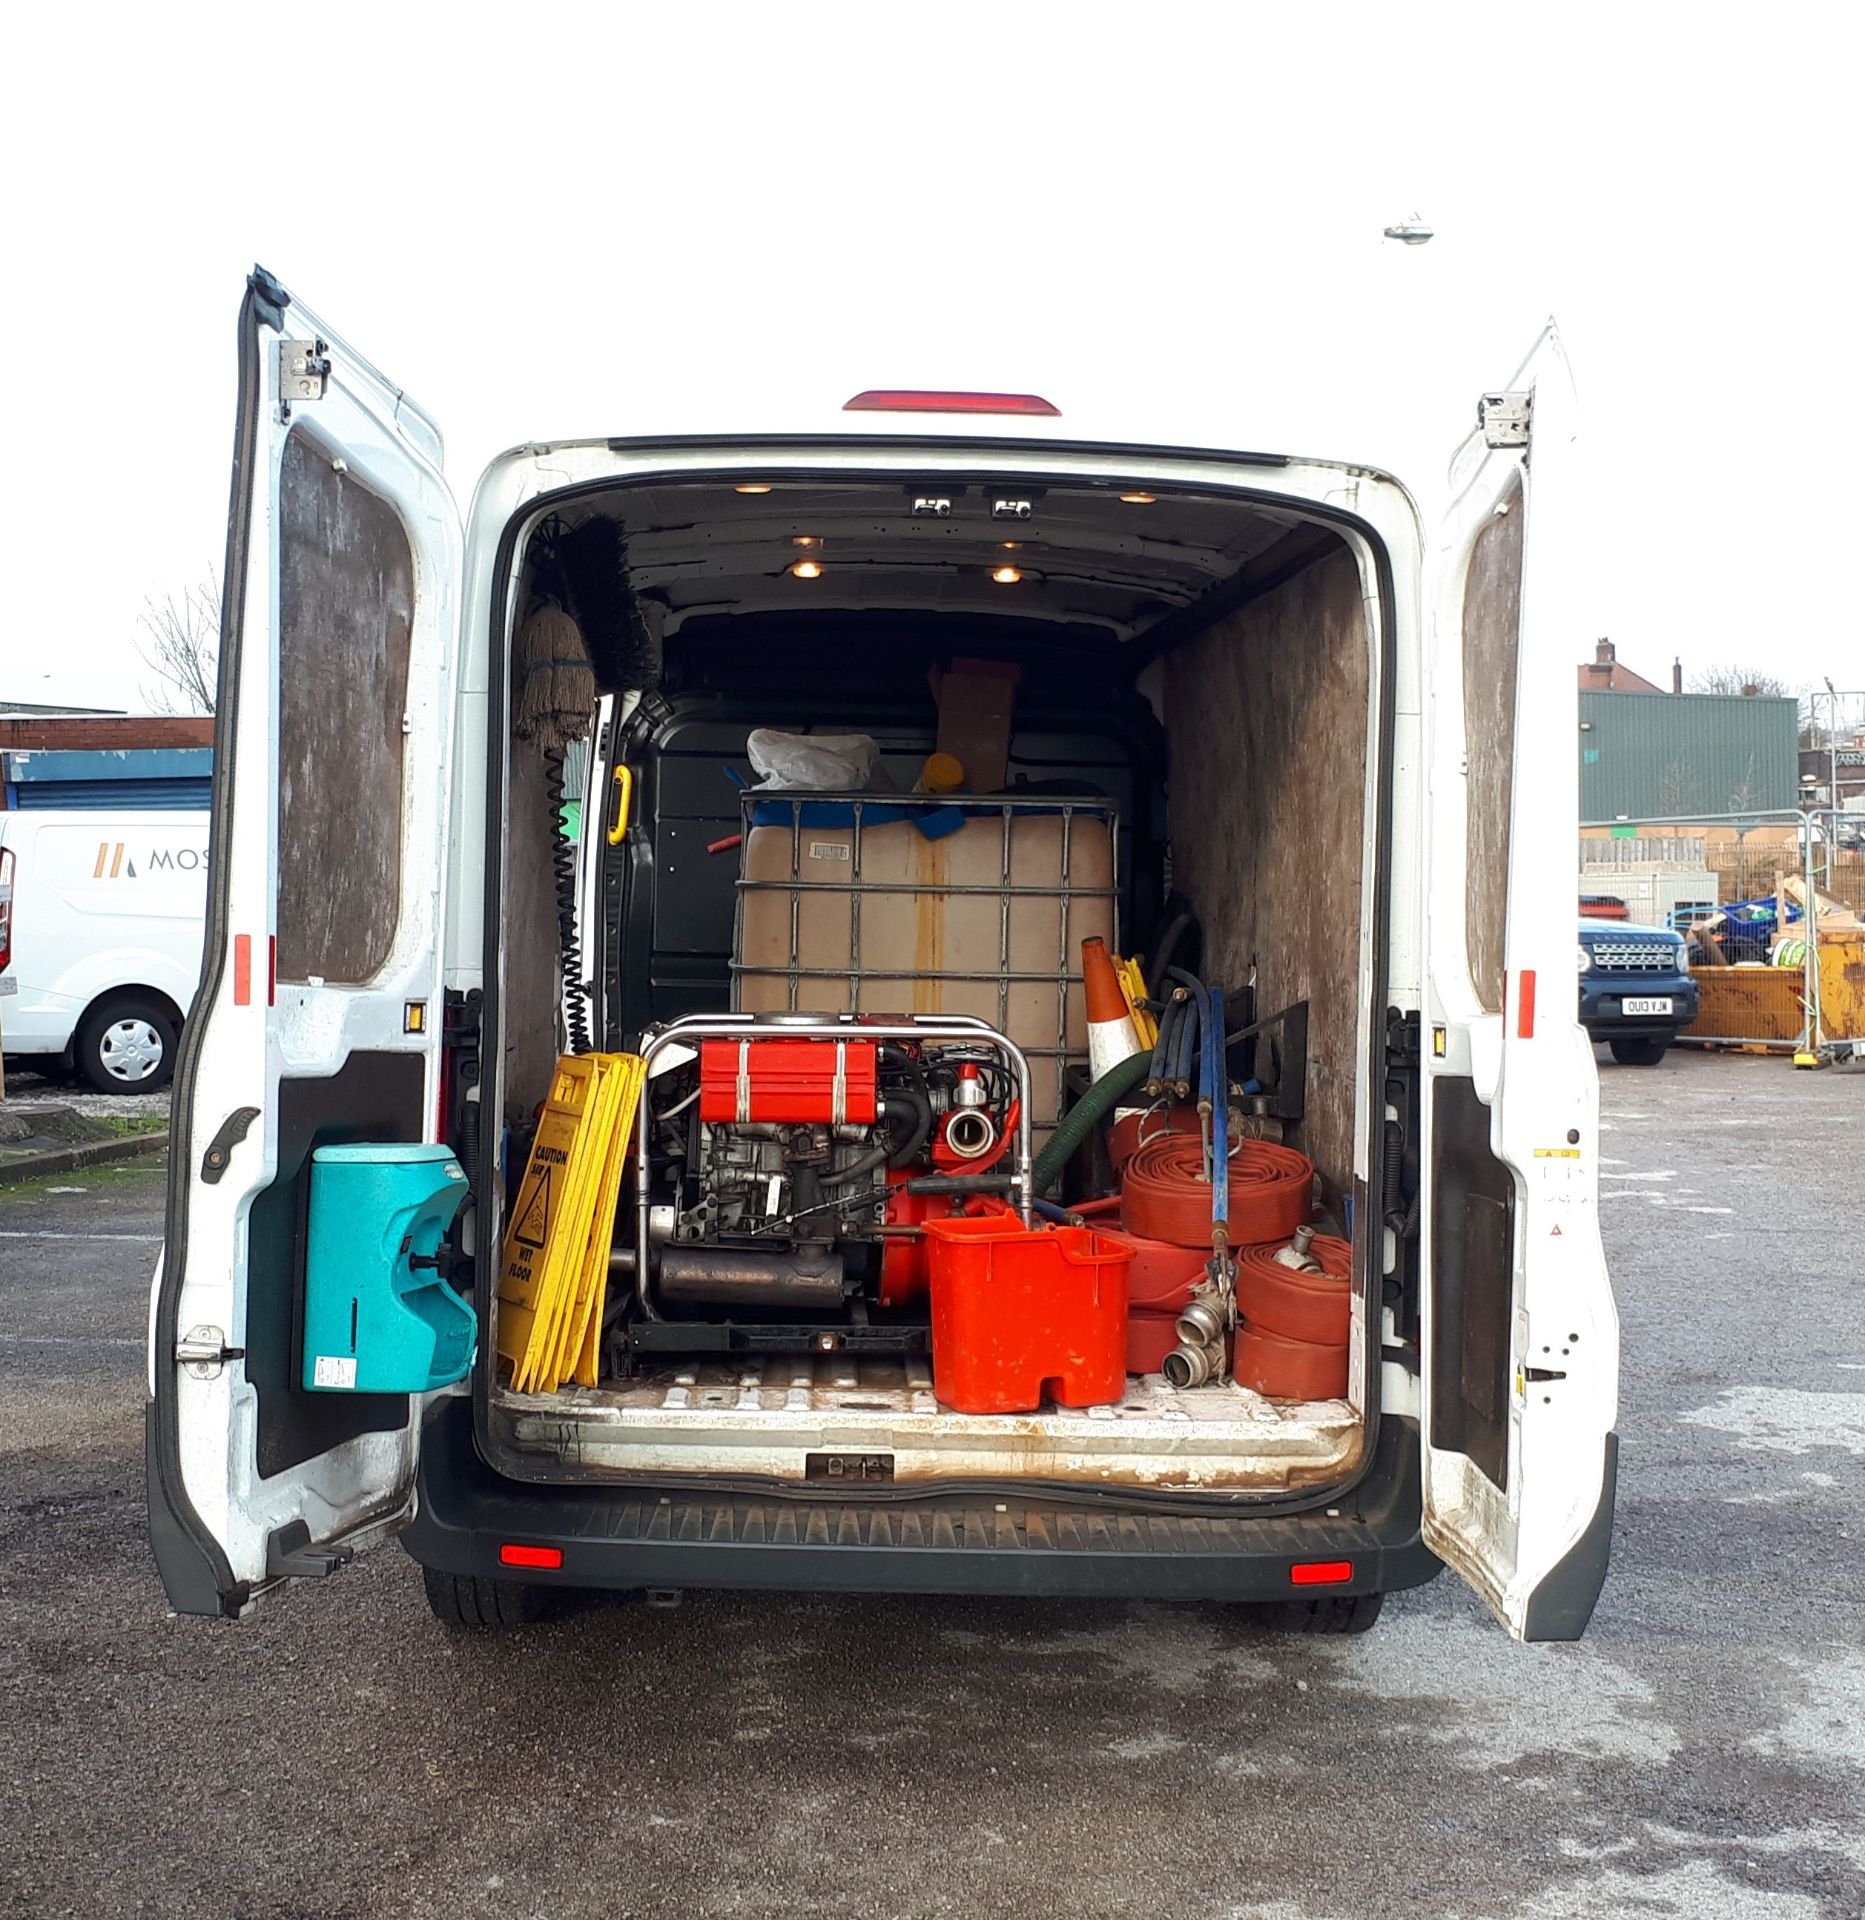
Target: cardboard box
(975,701)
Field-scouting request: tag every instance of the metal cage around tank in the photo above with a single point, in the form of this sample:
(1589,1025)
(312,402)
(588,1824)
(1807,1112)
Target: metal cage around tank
(842,988)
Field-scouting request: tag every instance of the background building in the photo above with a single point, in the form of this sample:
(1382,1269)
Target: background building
(105,760)
(1668,756)
(1604,673)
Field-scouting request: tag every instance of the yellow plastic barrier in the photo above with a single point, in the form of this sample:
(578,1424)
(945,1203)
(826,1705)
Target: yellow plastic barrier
(1133,987)
(556,1257)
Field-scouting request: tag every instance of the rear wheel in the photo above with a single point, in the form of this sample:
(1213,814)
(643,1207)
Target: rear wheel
(127,1045)
(1638,1053)
(469,1600)
(1325,1613)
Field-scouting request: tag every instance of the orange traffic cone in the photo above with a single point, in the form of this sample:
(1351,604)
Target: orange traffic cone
(1112,1036)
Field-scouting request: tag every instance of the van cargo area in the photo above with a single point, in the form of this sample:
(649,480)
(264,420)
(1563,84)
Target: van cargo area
(974,865)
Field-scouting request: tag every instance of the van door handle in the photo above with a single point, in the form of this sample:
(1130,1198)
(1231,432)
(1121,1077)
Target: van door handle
(624,793)
(220,1149)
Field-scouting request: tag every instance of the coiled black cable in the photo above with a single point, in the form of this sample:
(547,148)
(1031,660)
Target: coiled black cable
(563,874)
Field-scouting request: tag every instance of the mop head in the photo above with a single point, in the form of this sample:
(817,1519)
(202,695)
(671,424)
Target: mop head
(556,687)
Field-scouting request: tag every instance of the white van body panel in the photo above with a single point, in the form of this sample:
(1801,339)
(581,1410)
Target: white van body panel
(248,1037)
(103,902)
(1528,1061)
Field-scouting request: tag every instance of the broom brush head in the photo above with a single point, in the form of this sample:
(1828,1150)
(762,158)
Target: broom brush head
(556,685)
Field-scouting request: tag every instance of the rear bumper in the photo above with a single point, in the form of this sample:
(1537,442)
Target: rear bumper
(640,1537)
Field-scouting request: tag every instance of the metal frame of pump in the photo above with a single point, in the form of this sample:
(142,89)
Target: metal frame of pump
(951,1029)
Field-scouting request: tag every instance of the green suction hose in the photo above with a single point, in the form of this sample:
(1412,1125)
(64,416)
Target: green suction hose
(1086,1114)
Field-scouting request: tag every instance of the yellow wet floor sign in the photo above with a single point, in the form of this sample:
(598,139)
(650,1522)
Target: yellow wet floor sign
(556,1263)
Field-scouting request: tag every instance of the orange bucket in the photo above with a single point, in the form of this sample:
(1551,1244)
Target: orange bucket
(1021,1315)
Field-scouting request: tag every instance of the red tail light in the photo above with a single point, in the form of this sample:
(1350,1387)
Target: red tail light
(6,907)
(1320,1573)
(923,400)
(512,1554)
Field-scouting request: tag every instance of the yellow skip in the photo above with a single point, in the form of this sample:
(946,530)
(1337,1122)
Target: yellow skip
(556,1264)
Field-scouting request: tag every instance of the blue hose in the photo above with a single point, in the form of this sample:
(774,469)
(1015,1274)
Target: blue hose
(1196,1019)
(1184,1039)
(1161,1067)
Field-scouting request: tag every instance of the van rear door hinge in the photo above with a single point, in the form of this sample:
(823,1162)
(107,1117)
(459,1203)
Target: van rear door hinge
(1506,418)
(203,1351)
(303,370)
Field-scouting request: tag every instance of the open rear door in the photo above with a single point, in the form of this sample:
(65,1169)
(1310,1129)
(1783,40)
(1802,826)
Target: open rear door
(1521,1337)
(318,1016)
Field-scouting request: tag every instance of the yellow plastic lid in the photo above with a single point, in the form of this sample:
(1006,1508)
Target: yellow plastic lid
(943,773)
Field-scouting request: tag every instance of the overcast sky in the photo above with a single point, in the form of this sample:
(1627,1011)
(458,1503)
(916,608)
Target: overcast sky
(567,220)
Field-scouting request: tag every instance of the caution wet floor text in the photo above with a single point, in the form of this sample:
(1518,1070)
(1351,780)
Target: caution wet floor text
(556,1263)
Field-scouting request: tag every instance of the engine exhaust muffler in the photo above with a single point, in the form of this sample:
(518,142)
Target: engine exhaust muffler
(809,1279)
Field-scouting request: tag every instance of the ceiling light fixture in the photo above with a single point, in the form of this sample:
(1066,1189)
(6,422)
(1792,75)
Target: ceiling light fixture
(805,540)
(1139,499)
(1011,546)
(806,569)
(751,489)
(1006,576)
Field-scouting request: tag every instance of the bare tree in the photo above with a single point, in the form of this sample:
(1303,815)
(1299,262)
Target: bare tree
(182,649)
(1753,681)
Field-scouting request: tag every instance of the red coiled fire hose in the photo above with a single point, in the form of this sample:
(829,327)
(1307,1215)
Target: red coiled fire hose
(1292,1303)
(1167,1196)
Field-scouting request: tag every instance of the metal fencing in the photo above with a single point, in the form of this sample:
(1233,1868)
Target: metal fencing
(1817,998)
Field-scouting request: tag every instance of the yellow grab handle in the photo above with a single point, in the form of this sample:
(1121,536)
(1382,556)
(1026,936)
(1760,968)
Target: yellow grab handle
(624,793)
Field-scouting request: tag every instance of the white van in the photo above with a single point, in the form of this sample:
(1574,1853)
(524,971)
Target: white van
(1276,711)
(102,946)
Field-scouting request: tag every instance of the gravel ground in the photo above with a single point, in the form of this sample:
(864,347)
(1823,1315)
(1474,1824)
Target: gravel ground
(34,1086)
(1702,1752)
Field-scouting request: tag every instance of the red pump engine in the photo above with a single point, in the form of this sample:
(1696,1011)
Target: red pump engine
(832,1082)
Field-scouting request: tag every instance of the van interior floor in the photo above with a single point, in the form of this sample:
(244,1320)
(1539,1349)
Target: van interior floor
(761,1414)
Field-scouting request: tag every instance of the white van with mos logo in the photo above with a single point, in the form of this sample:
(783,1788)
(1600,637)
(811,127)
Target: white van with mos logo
(100,939)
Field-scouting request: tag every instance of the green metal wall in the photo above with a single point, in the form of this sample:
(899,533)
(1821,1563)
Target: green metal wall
(1656,756)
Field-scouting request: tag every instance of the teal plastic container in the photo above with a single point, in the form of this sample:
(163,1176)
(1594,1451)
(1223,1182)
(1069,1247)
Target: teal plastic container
(374,1322)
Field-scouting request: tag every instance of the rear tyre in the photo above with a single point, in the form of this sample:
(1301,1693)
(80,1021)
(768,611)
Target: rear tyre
(468,1600)
(1638,1053)
(1325,1613)
(127,1045)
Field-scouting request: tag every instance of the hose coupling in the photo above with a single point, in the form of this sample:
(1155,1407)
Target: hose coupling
(1189,1366)
(1201,1323)
(1296,1253)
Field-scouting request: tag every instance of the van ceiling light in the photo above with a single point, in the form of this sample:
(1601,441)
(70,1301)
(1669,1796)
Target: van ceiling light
(1006,576)
(925,400)
(1011,546)
(806,539)
(751,489)
(806,569)
(1139,499)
